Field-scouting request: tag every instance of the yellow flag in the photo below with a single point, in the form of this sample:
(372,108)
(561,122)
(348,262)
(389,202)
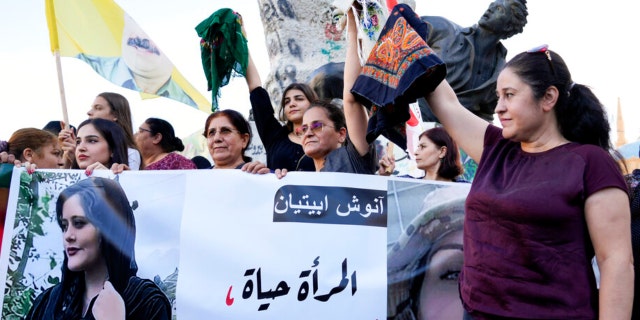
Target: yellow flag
(100,33)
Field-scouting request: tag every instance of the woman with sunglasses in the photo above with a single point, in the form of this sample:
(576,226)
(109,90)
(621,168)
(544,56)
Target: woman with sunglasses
(99,269)
(324,139)
(546,197)
(228,136)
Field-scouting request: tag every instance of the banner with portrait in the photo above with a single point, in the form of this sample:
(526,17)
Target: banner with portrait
(228,244)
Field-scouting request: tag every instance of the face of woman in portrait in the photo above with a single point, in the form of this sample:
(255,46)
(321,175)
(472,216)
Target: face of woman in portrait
(141,54)
(295,104)
(321,136)
(439,297)
(428,154)
(521,116)
(47,157)
(225,143)
(91,147)
(100,109)
(81,239)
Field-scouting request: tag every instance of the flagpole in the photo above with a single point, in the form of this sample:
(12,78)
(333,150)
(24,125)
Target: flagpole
(63,99)
(55,48)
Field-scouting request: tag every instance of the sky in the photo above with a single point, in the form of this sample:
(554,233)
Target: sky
(591,36)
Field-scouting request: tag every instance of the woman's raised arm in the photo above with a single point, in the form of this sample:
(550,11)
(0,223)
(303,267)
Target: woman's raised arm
(466,129)
(354,112)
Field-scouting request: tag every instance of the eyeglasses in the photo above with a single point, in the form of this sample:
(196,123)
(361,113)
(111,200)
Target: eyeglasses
(544,49)
(224,132)
(145,130)
(315,127)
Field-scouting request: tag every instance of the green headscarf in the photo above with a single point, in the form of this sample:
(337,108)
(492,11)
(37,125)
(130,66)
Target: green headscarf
(223,50)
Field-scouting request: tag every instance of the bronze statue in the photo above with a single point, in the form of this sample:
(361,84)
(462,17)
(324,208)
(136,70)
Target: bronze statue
(474,55)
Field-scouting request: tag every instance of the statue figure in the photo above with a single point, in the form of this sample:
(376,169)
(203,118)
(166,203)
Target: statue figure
(474,55)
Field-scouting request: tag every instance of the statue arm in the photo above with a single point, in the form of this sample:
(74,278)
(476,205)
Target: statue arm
(354,112)
(442,33)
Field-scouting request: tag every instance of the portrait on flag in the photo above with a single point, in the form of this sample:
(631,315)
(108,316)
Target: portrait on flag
(142,66)
(101,34)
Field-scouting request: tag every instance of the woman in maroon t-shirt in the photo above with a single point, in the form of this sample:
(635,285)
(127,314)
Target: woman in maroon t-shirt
(547,197)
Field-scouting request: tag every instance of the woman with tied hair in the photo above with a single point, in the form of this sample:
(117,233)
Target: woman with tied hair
(547,196)
(228,136)
(113,107)
(36,147)
(436,154)
(99,270)
(33,148)
(283,146)
(157,143)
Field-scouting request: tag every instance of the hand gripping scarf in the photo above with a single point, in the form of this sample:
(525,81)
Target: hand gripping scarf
(400,69)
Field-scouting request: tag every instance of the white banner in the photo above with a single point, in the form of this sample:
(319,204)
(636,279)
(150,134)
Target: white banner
(225,244)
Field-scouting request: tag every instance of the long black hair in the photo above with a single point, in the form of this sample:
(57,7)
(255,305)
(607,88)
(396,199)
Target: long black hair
(169,142)
(451,166)
(114,135)
(107,208)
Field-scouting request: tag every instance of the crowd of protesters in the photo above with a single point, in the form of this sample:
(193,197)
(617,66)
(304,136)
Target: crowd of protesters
(548,197)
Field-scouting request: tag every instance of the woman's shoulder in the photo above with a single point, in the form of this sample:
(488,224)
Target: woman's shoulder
(181,162)
(145,300)
(139,286)
(134,158)
(589,152)
(347,159)
(44,303)
(133,152)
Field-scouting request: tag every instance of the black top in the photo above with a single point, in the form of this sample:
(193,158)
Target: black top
(282,153)
(142,299)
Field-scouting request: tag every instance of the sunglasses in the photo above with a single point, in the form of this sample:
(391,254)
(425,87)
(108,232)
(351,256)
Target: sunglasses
(315,127)
(544,49)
